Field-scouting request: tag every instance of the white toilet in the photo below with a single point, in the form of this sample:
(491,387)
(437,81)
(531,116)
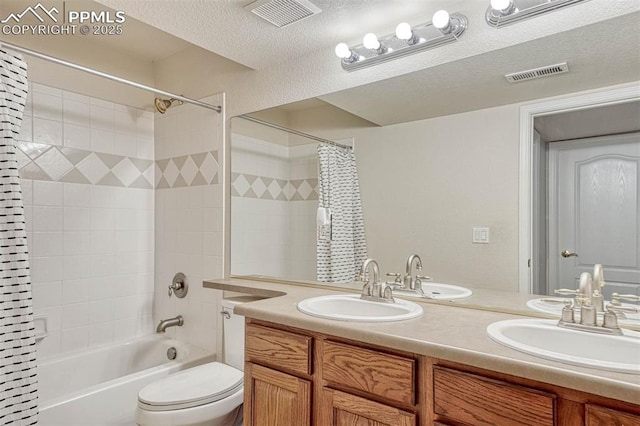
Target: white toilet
(210,394)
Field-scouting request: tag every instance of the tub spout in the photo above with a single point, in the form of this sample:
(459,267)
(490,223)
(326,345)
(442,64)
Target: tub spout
(171,322)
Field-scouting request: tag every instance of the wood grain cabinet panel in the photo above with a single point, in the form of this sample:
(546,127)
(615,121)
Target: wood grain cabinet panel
(600,416)
(477,400)
(342,409)
(388,376)
(292,379)
(273,398)
(278,348)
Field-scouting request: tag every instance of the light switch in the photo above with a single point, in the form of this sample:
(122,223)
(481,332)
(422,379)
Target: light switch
(480,236)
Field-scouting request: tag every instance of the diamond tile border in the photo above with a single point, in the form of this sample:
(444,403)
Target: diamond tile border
(55,163)
(188,170)
(245,185)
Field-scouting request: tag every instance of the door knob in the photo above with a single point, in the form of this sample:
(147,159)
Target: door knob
(567,253)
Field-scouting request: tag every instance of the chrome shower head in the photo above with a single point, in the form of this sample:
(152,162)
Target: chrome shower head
(162,105)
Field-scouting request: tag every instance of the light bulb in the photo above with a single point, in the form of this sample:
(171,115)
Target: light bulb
(500,5)
(343,51)
(440,19)
(370,41)
(404,31)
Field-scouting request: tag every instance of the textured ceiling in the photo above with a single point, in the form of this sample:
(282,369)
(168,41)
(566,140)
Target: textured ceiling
(596,56)
(460,77)
(297,61)
(227,29)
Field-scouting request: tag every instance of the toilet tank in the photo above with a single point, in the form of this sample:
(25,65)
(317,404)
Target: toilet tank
(233,332)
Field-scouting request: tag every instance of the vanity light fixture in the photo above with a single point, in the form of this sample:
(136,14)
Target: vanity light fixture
(505,12)
(444,28)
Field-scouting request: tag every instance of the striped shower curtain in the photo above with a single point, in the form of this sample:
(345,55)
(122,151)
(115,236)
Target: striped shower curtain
(18,384)
(343,250)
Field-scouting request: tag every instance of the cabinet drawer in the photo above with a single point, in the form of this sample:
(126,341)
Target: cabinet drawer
(384,375)
(475,399)
(600,416)
(279,349)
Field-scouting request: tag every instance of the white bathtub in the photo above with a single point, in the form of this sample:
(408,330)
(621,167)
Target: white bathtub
(100,387)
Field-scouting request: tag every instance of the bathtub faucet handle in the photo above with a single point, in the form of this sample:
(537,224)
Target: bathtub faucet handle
(179,285)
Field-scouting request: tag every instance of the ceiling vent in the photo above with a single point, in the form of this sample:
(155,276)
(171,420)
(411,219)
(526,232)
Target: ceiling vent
(283,12)
(537,73)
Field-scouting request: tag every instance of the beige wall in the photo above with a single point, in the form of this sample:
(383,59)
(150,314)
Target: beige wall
(426,184)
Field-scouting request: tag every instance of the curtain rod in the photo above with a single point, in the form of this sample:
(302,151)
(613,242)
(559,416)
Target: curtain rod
(295,132)
(108,76)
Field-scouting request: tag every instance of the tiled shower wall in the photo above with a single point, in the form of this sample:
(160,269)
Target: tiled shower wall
(188,217)
(274,201)
(87,182)
(303,165)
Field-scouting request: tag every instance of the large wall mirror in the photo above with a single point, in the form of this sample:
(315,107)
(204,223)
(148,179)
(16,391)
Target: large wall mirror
(437,161)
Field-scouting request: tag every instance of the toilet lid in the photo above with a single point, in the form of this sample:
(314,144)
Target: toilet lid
(192,387)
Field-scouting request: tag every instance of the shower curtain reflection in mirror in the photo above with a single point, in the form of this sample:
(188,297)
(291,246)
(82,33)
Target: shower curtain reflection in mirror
(342,246)
(275,190)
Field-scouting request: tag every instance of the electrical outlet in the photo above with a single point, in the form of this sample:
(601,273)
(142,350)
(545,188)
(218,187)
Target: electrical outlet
(480,236)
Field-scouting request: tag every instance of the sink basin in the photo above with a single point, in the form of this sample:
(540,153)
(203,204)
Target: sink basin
(545,339)
(349,307)
(548,308)
(440,291)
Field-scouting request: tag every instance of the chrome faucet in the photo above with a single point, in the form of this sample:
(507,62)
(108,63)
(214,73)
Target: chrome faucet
(411,282)
(585,299)
(373,289)
(171,322)
(589,289)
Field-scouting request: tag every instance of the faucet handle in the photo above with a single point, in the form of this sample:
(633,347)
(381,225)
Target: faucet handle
(396,277)
(567,315)
(565,291)
(615,298)
(557,301)
(179,285)
(174,287)
(625,309)
(613,312)
(424,278)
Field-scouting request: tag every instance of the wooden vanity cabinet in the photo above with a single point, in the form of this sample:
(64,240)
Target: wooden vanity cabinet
(351,385)
(298,378)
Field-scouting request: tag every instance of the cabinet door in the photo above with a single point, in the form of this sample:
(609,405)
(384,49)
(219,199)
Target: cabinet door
(273,398)
(600,416)
(343,409)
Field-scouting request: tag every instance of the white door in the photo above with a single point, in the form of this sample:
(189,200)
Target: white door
(594,211)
